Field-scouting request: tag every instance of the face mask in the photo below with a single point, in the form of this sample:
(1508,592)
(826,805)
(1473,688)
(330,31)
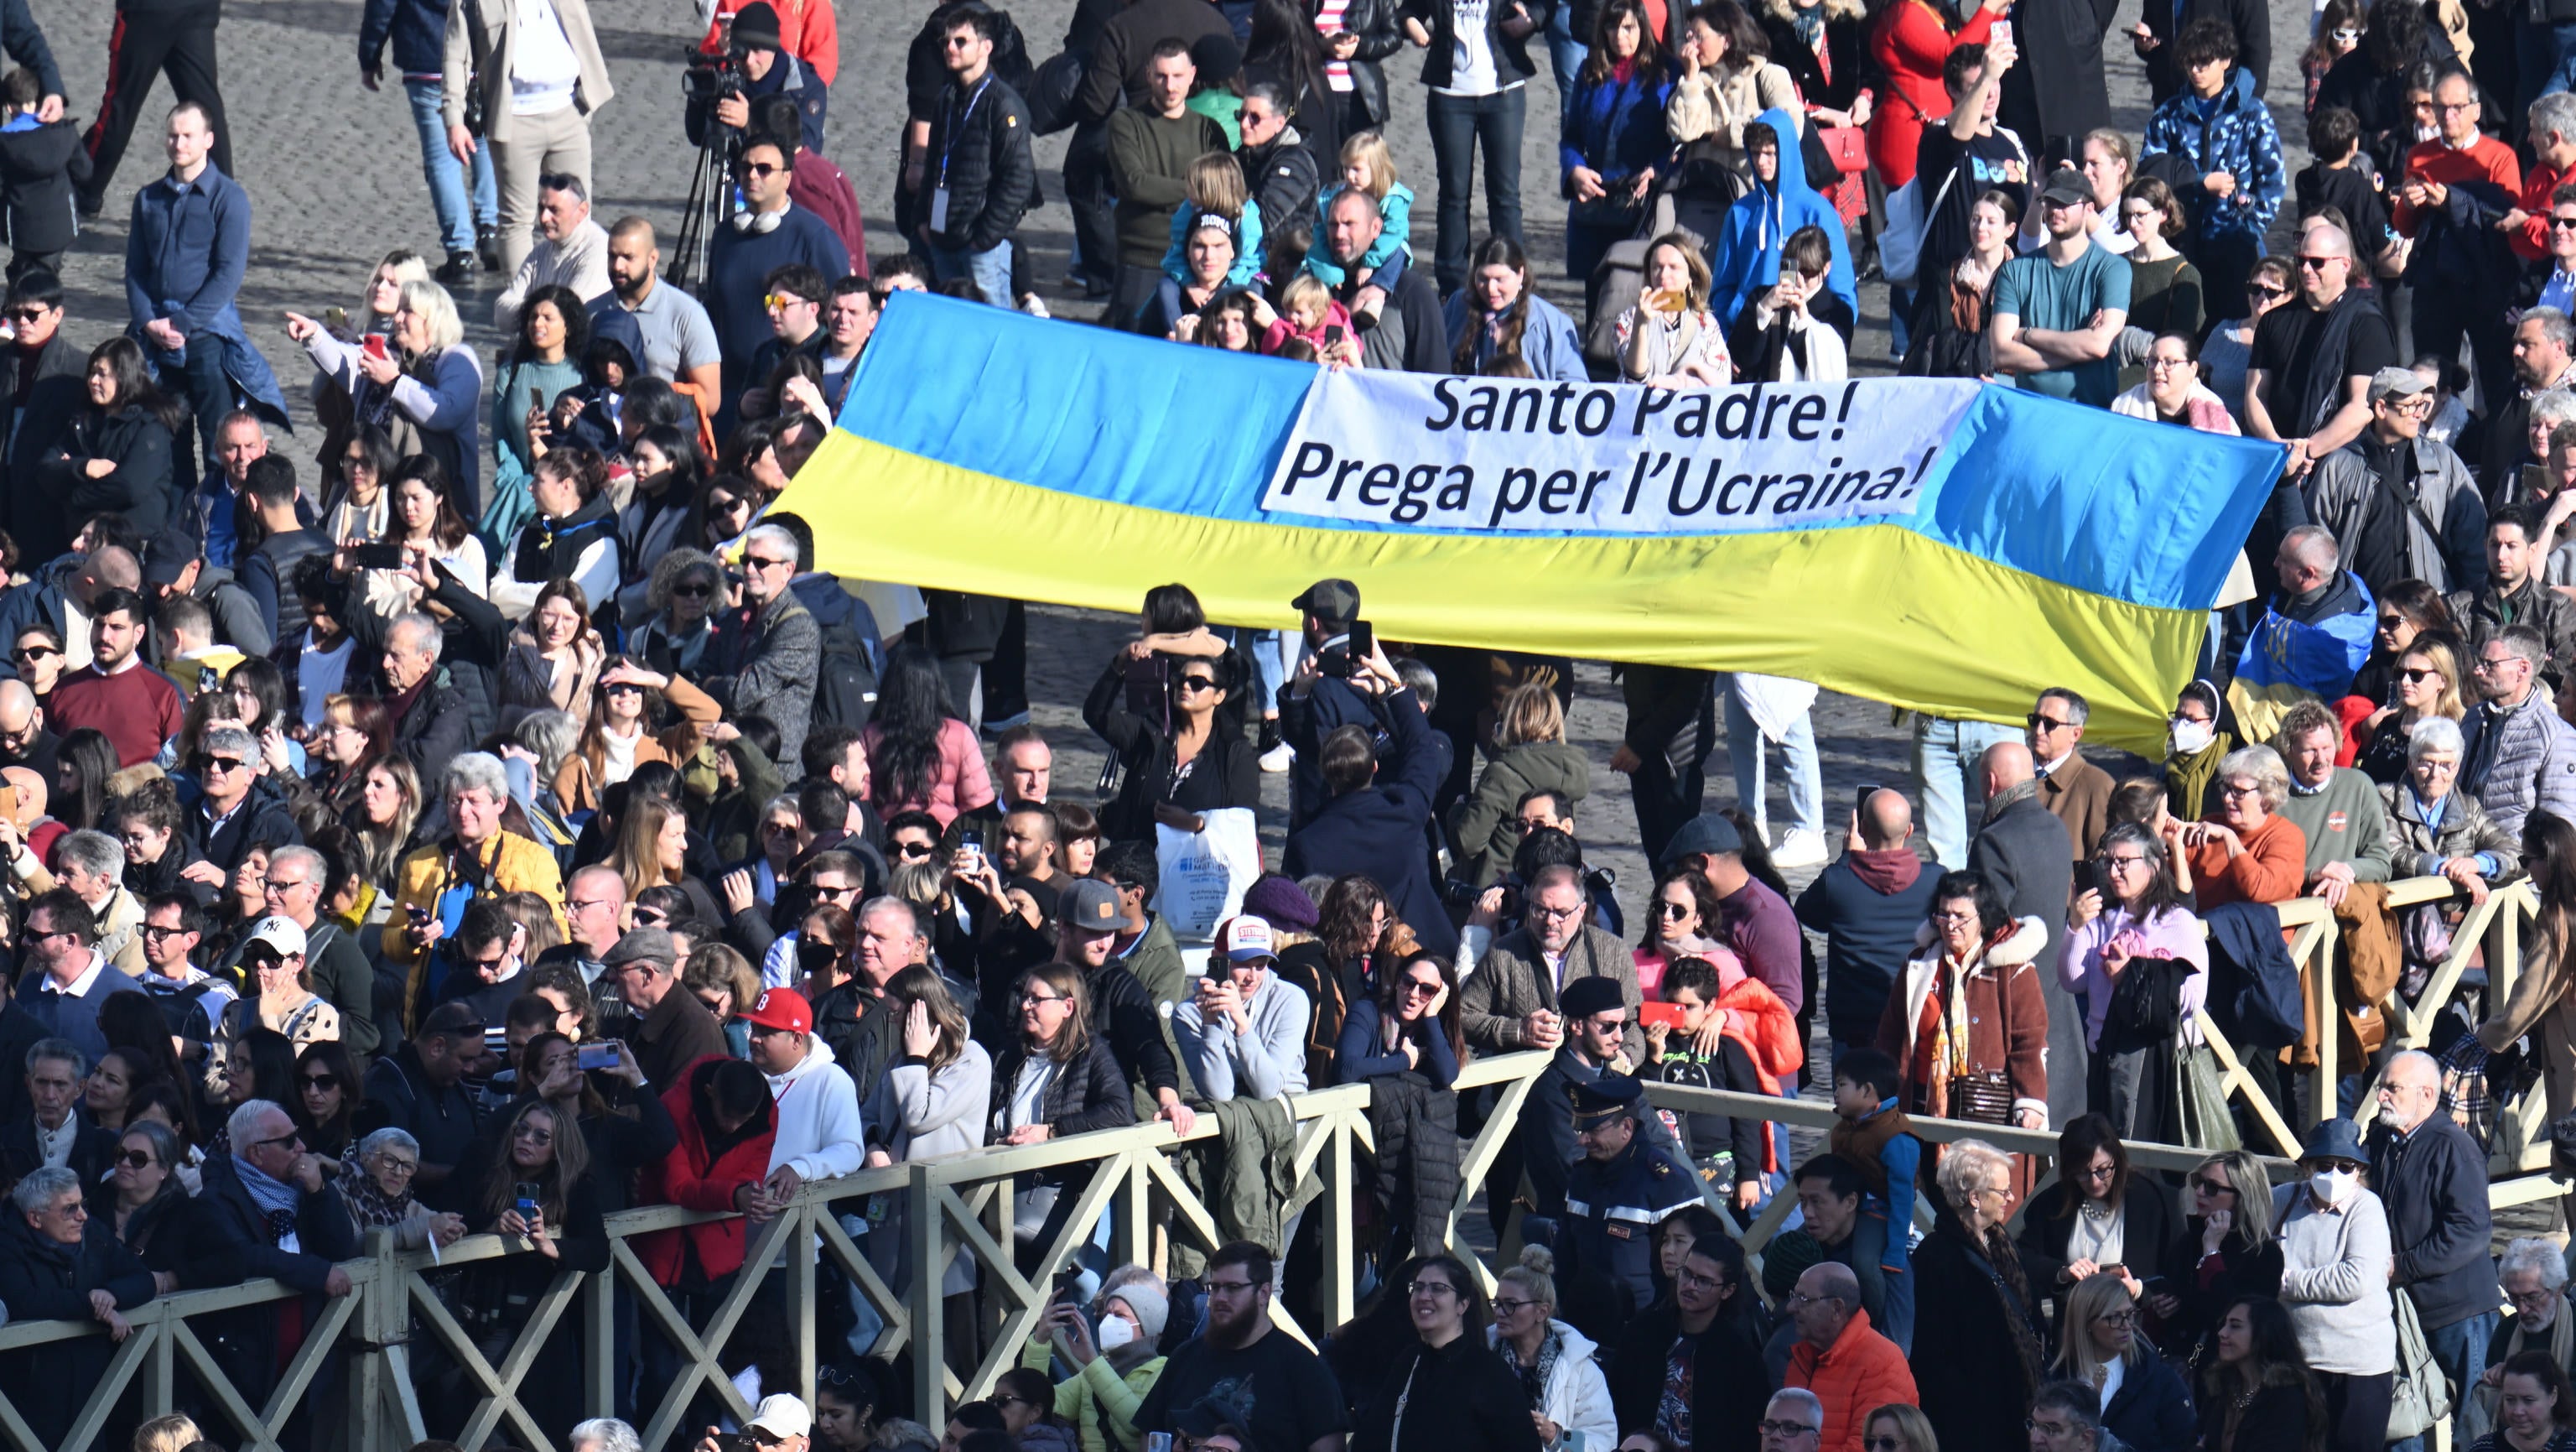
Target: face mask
(2334,1186)
(814,957)
(2190,737)
(1116,1331)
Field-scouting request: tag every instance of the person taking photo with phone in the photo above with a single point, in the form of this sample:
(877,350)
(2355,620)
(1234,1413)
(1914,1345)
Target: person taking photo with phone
(535,1189)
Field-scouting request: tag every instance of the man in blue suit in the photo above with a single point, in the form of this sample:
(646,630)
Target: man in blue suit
(1375,812)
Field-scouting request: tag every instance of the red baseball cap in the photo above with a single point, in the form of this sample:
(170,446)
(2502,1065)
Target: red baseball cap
(782,1008)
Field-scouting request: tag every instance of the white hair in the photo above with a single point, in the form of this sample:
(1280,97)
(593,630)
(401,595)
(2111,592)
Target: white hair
(477,771)
(38,1191)
(315,864)
(2537,1256)
(437,308)
(606,1434)
(385,1139)
(1801,1399)
(425,636)
(776,534)
(243,1127)
(95,853)
(2434,733)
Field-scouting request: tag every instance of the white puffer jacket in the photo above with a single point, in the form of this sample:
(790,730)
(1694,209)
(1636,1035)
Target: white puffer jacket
(1578,1396)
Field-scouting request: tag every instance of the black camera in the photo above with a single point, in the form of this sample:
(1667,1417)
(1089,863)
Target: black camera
(716,77)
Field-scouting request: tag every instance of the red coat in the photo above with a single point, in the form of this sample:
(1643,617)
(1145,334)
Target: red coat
(2485,159)
(1910,42)
(687,1178)
(1863,1372)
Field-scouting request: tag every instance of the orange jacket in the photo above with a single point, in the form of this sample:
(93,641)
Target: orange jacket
(1863,1372)
(1757,1019)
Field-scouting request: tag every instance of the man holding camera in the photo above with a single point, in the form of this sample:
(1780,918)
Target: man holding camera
(1318,701)
(756,68)
(1513,1000)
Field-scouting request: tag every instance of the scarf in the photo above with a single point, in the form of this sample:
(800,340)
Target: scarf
(2003,801)
(276,1198)
(368,1204)
(1534,1378)
(1809,22)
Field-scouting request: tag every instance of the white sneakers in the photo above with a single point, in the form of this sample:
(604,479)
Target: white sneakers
(1799,847)
(1276,759)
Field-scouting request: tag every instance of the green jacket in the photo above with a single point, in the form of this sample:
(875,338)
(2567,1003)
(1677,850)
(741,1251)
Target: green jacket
(1246,1177)
(733,818)
(1101,1404)
(1484,830)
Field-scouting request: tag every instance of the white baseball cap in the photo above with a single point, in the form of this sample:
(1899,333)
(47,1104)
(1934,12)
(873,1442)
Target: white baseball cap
(1248,938)
(782,1416)
(280,933)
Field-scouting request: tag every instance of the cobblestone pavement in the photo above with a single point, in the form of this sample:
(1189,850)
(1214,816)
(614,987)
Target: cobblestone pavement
(334,173)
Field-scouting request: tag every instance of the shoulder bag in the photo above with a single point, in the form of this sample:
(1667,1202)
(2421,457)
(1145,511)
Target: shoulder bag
(1985,1096)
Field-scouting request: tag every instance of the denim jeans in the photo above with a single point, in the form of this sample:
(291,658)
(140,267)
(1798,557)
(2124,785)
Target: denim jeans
(1459,125)
(2460,1349)
(1565,53)
(1945,761)
(1900,322)
(1745,745)
(458,213)
(991,270)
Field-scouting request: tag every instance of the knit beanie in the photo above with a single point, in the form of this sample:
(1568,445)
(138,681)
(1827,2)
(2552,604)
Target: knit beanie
(1281,901)
(1151,1305)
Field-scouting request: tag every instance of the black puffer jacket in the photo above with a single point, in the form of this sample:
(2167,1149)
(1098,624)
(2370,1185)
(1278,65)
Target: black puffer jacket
(1086,1094)
(139,487)
(980,151)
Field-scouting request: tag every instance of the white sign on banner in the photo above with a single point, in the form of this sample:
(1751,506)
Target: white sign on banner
(1495,455)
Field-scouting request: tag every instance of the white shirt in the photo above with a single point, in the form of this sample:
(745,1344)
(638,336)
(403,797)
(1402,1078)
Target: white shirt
(543,69)
(82,984)
(1471,67)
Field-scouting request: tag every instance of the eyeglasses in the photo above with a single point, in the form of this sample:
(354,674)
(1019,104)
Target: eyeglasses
(2117,1318)
(2265,289)
(1505,1308)
(1955,919)
(1430,1288)
(1787,1429)
(1031,1000)
(583,906)
(1231,1288)
(2098,1172)
(1556,914)
(2232,789)
(2053,1429)
(2486,663)
(388,1165)
(1695,1280)
(288,885)
(155,930)
(759,168)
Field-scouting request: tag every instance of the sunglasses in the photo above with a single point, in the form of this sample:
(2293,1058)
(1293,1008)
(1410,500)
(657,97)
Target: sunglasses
(312,1082)
(136,1159)
(1189,684)
(759,168)
(210,765)
(2266,290)
(2567,222)
(1672,912)
(694,592)
(912,849)
(34,652)
(26,315)
(2212,1187)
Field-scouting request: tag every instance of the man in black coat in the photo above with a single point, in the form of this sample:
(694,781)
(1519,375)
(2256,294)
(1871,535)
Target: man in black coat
(41,352)
(268,1189)
(2058,91)
(419,1088)
(2432,1180)
(54,1122)
(2034,872)
(58,1264)
(1729,1384)
(1319,700)
(980,172)
(1373,820)
(238,812)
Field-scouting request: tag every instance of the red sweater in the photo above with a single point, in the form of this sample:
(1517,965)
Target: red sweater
(137,708)
(2485,159)
(2531,243)
(690,1178)
(1910,42)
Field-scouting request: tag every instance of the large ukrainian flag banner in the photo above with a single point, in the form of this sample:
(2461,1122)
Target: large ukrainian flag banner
(1938,544)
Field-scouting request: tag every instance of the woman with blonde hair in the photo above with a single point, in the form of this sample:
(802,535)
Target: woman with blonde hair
(2144,1402)
(1559,1366)
(1899,1427)
(1983,1366)
(387,811)
(377,304)
(2242,849)
(1670,339)
(2427,679)
(417,381)
(1531,755)
(176,1432)
(2224,1250)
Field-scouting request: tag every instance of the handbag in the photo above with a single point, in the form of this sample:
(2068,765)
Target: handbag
(2419,1396)
(1985,1096)
(2202,1118)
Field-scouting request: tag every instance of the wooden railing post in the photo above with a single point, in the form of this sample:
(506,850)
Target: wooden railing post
(922,1234)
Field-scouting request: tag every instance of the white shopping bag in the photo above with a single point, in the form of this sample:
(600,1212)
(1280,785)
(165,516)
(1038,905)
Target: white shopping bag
(1206,872)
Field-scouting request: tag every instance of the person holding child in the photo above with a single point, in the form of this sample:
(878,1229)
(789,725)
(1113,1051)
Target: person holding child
(40,162)
(1734,1033)
(1215,189)
(1368,167)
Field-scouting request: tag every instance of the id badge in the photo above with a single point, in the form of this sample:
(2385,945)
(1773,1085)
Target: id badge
(939,210)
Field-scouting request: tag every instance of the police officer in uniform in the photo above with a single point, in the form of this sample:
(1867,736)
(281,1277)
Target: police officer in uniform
(1617,1193)
(1596,1017)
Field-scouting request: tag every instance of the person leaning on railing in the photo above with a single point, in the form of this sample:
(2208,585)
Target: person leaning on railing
(2542,1000)
(262,1195)
(58,1264)
(1056,1078)
(2242,851)
(728,1127)
(534,1189)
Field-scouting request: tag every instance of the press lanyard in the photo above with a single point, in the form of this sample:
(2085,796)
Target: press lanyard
(951,148)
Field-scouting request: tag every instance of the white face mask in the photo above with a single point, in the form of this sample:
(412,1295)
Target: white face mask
(1116,1331)
(2334,1186)
(2190,737)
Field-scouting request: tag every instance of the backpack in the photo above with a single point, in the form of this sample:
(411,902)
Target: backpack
(845,685)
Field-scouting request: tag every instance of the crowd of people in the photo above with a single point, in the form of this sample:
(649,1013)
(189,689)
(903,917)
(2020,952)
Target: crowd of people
(508,825)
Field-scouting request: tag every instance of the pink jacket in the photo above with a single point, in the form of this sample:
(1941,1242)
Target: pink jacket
(2173,934)
(961,785)
(1281,329)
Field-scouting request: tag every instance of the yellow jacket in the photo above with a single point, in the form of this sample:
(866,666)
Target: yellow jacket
(511,863)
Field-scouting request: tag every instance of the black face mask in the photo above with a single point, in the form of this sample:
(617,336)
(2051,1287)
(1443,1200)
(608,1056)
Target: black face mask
(815,957)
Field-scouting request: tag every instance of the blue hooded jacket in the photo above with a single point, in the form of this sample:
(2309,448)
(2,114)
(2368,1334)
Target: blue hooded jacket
(1747,262)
